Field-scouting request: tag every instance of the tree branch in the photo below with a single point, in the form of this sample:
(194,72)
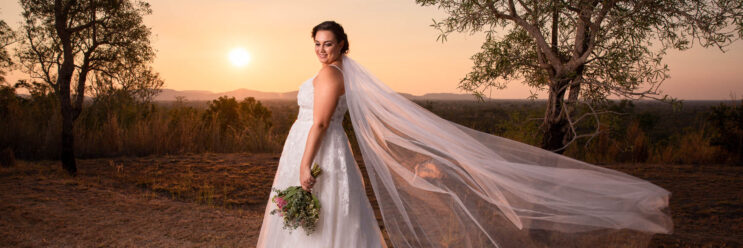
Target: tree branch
(40,58)
(533,30)
(529,12)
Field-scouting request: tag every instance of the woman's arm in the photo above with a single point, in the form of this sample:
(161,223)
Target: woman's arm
(328,87)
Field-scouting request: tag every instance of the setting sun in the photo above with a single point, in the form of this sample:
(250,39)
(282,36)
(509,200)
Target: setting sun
(239,57)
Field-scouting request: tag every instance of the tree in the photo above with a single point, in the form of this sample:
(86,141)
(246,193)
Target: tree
(68,41)
(138,80)
(7,37)
(238,116)
(583,51)
(727,123)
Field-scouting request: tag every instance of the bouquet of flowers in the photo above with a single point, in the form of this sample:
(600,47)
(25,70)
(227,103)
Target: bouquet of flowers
(298,206)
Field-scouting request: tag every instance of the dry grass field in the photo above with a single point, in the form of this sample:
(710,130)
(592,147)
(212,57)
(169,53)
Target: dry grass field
(218,200)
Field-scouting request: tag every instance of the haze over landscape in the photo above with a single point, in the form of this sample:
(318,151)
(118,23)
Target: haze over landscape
(392,39)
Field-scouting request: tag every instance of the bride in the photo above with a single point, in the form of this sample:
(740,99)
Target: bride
(346,216)
(440,184)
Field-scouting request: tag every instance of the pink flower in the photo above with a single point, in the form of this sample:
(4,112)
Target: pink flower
(280,202)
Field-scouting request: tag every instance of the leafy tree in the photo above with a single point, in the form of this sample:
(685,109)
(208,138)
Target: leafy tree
(135,79)
(7,37)
(237,116)
(253,112)
(225,111)
(583,51)
(67,42)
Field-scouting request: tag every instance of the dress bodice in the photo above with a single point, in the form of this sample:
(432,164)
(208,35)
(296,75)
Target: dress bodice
(305,100)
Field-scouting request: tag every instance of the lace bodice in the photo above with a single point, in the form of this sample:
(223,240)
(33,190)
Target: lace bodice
(305,100)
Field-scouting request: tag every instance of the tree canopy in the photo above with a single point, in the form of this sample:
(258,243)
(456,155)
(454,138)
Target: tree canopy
(583,51)
(66,43)
(7,37)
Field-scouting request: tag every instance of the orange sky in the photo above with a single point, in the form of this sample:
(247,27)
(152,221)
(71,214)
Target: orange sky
(392,38)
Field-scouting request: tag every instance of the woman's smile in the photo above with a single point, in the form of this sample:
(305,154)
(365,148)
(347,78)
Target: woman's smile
(327,47)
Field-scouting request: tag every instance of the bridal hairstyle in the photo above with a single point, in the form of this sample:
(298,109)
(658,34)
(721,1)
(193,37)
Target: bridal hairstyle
(337,30)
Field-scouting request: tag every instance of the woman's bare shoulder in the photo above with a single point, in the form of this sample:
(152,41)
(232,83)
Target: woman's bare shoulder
(329,76)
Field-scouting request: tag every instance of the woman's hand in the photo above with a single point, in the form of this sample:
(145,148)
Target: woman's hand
(305,177)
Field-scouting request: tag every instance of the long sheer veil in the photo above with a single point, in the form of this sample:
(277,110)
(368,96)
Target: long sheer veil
(440,184)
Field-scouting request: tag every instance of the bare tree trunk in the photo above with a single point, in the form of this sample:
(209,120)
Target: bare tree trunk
(64,77)
(68,119)
(68,142)
(575,90)
(556,126)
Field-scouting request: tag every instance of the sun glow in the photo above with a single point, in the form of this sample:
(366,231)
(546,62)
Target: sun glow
(239,57)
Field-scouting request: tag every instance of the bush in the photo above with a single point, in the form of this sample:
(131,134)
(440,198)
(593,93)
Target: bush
(727,125)
(118,123)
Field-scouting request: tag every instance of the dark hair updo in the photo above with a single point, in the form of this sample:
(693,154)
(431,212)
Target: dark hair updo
(337,30)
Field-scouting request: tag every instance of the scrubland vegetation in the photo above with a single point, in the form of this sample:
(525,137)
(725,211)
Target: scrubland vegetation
(121,124)
(164,158)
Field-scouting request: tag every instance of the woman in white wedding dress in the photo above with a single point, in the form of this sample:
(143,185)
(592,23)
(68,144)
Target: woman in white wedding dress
(346,216)
(440,184)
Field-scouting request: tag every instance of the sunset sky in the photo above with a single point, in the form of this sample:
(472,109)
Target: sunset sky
(391,38)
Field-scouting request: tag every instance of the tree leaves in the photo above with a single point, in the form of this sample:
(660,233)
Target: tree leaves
(599,49)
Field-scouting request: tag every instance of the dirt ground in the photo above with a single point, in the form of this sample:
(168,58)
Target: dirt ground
(218,200)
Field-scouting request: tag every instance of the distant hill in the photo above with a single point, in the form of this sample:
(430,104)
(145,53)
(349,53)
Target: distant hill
(441,96)
(202,95)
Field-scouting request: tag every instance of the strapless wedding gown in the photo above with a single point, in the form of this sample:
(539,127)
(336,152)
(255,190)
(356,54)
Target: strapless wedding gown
(346,216)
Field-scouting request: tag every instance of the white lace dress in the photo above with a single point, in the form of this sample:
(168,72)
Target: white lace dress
(346,216)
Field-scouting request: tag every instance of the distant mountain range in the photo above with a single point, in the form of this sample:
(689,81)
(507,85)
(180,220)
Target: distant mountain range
(202,95)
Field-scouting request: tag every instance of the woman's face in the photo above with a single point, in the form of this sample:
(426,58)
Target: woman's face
(327,48)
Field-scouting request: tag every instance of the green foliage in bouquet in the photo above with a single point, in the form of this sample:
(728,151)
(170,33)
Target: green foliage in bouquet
(297,206)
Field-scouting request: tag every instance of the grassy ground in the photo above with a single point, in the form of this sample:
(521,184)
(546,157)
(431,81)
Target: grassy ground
(218,200)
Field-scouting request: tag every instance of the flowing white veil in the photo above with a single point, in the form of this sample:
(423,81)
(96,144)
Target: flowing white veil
(440,184)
